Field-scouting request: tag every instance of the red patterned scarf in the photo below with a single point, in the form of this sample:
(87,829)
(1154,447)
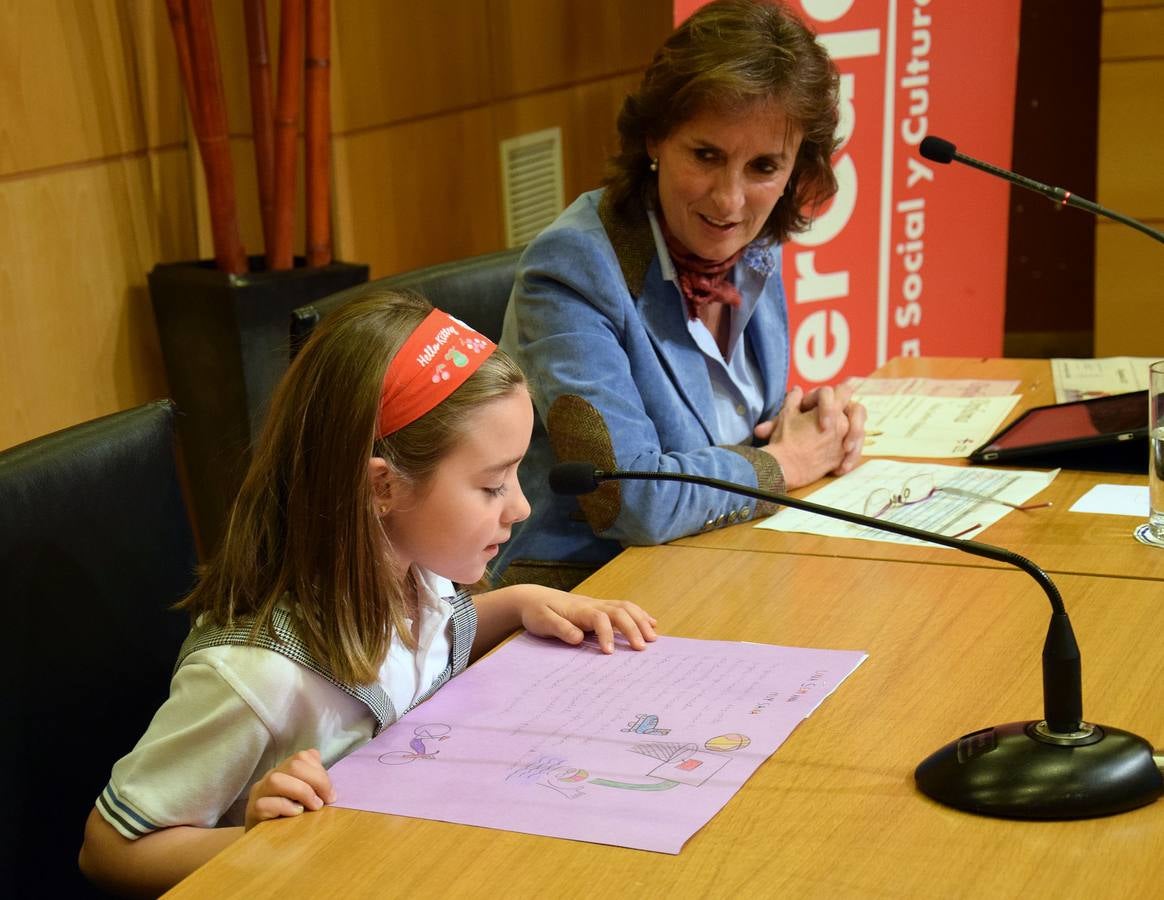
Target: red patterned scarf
(701,281)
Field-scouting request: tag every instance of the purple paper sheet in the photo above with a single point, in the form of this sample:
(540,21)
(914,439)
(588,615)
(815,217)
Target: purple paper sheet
(637,749)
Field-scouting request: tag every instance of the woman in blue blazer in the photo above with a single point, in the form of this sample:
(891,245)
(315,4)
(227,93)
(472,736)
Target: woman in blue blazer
(650,316)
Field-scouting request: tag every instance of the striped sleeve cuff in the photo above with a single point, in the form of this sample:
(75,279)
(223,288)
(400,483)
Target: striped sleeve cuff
(128,821)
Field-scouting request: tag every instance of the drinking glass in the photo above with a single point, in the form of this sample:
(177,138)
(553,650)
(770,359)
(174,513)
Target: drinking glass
(1156,458)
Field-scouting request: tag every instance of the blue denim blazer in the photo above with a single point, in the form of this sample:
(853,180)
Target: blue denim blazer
(618,380)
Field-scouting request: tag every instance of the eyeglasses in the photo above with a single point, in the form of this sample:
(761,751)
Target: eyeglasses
(917,489)
(920,488)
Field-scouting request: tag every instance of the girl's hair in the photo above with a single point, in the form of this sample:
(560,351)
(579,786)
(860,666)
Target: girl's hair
(727,57)
(304,525)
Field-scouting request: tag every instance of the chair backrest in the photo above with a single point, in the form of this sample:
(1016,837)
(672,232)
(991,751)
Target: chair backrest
(475,290)
(95,546)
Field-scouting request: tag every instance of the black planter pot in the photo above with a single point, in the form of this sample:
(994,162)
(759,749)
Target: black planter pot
(225,340)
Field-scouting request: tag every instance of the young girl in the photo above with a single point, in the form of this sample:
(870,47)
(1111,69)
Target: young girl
(386,471)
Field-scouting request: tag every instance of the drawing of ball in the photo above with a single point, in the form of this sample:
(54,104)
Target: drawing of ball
(725,743)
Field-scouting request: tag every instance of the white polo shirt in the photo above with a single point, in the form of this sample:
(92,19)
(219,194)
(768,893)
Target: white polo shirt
(236,711)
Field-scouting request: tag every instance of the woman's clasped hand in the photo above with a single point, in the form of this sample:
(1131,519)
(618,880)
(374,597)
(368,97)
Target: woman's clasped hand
(815,434)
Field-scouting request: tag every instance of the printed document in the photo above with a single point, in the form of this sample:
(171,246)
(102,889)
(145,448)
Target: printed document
(948,513)
(1082,379)
(931,427)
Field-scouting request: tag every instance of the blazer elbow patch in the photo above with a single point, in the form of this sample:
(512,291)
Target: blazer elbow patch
(769,476)
(577,432)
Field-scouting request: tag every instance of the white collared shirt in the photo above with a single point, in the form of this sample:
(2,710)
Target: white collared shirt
(407,674)
(736,388)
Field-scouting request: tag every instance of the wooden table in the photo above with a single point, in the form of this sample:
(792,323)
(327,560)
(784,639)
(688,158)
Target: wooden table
(834,813)
(1056,539)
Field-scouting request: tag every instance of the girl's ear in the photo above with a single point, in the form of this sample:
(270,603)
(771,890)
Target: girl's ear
(380,476)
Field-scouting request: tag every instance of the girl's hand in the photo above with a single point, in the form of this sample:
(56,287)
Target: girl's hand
(550,613)
(299,782)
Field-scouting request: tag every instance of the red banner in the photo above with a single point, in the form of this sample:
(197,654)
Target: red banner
(909,258)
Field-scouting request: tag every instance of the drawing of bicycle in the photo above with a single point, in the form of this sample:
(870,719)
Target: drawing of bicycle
(419,748)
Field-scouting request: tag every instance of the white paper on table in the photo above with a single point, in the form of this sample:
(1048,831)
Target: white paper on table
(1114,500)
(944,513)
(934,427)
(934,387)
(1082,379)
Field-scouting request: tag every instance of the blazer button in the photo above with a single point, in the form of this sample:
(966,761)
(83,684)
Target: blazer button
(709,524)
(745,513)
(732,517)
(719,520)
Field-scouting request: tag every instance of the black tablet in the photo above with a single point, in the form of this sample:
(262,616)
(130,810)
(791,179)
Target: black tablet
(1104,433)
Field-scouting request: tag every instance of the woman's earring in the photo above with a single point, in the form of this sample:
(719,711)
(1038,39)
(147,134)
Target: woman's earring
(654,165)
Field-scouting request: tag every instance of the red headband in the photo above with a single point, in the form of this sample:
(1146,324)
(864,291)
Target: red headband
(438,357)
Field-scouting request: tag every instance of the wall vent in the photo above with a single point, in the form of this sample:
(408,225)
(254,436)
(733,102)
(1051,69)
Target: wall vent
(531,183)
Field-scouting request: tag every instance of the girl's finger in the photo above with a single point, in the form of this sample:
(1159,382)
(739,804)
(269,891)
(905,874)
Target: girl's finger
(276,808)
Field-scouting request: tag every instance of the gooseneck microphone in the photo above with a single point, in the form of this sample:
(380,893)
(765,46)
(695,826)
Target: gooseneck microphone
(938,150)
(1059,768)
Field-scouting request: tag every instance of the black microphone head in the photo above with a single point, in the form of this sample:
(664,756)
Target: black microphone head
(572,478)
(935,149)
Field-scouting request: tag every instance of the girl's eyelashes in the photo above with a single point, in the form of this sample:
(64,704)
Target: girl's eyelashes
(498,491)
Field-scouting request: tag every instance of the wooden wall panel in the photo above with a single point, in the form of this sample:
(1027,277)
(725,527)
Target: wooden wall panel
(1135,33)
(585,113)
(84,79)
(1131,137)
(72,280)
(1131,180)
(171,206)
(402,60)
(1129,293)
(99,180)
(419,193)
(537,45)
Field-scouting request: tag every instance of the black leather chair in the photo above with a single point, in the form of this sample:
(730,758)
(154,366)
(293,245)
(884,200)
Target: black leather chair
(475,290)
(95,546)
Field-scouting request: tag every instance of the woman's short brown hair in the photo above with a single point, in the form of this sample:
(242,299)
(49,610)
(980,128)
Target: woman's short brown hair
(304,528)
(729,56)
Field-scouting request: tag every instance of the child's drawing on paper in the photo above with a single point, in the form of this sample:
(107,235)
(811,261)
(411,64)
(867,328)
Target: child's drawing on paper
(424,737)
(646,724)
(680,763)
(640,752)
(666,765)
(553,773)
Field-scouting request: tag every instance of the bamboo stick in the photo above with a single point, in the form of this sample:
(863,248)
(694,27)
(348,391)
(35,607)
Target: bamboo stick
(262,113)
(318,132)
(177,12)
(210,127)
(287,130)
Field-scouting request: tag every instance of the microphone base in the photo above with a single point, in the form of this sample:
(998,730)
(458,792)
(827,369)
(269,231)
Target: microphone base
(1010,771)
